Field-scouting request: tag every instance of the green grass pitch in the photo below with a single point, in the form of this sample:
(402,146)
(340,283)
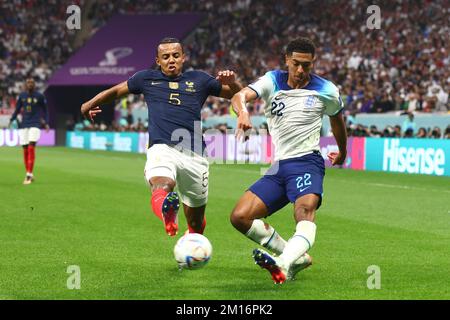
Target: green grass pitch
(91,209)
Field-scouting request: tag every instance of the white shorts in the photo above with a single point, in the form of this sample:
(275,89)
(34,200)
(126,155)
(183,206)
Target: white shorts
(27,135)
(189,170)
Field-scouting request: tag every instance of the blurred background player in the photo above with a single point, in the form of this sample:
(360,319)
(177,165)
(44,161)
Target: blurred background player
(296,100)
(176,147)
(31,104)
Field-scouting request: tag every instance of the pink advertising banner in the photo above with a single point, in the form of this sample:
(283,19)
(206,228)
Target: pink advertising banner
(355,151)
(10,138)
(225,148)
(259,149)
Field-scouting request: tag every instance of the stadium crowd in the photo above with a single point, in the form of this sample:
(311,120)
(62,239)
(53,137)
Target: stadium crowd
(404,65)
(34,42)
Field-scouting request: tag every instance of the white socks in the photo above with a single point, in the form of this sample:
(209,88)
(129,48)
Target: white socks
(289,252)
(301,242)
(265,235)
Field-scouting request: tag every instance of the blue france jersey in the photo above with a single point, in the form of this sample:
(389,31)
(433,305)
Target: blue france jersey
(32,105)
(174,105)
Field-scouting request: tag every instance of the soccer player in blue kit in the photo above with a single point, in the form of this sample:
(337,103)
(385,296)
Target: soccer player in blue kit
(296,101)
(176,147)
(31,104)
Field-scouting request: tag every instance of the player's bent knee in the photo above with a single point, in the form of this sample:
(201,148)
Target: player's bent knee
(238,216)
(305,211)
(165,183)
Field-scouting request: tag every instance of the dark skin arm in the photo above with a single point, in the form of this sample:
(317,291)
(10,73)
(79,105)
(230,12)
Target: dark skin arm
(238,102)
(90,108)
(340,134)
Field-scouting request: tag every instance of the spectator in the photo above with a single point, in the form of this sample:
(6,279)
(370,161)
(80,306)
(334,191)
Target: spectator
(388,132)
(402,66)
(409,123)
(409,133)
(384,104)
(374,131)
(422,133)
(397,131)
(436,133)
(447,132)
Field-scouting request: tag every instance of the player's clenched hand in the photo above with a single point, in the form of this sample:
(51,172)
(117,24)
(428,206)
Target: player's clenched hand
(243,124)
(226,77)
(336,158)
(89,112)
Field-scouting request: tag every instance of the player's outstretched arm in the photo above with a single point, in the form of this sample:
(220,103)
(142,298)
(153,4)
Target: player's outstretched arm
(238,103)
(230,85)
(340,134)
(90,108)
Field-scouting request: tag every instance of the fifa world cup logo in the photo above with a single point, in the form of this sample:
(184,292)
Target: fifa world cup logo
(113,55)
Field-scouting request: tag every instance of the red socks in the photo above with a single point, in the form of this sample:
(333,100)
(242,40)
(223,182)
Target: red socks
(25,158)
(158,197)
(28,157)
(31,157)
(202,228)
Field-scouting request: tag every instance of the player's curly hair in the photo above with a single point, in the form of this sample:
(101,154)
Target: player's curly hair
(302,45)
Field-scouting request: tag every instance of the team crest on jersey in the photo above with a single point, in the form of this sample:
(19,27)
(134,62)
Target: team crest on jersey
(173,85)
(310,101)
(34,100)
(190,86)
(29,100)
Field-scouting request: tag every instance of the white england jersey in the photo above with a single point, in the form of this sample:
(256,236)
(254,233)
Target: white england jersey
(294,116)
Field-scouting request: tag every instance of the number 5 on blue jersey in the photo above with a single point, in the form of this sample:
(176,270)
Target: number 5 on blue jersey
(173,98)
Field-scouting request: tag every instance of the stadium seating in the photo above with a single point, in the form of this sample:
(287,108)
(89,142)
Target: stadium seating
(404,66)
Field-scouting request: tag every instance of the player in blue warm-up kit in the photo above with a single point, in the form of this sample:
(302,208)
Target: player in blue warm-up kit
(31,104)
(175,155)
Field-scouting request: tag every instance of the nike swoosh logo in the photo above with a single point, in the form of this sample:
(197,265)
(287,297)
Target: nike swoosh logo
(301,190)
(154,83)
(277,98)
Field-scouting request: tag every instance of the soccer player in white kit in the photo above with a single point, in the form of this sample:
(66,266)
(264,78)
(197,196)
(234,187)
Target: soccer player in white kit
(296,101)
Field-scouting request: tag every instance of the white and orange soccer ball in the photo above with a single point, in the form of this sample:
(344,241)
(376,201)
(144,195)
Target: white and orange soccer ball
(192,251)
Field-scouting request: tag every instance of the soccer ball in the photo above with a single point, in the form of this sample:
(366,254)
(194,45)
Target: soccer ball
(192,251)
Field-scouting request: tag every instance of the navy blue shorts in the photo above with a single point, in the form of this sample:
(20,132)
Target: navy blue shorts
(289,179)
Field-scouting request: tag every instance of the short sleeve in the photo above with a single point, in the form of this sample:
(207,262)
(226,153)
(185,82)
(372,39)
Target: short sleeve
(213,86)
(19,102)
(332,100)
(264,86)
(136,82)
